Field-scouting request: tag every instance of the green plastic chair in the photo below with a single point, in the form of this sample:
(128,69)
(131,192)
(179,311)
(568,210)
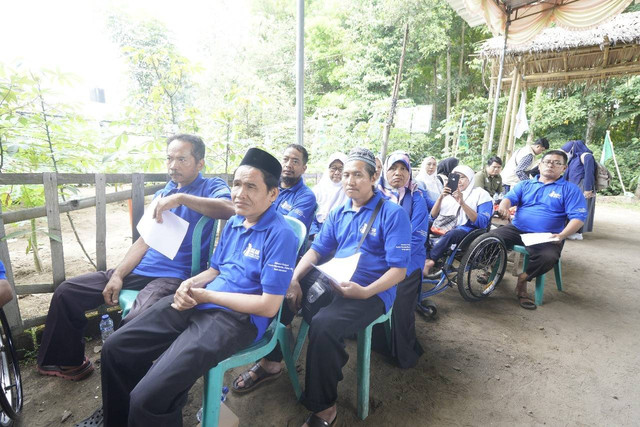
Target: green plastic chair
(557,269)
(275,334)
(364,357)
(128,296)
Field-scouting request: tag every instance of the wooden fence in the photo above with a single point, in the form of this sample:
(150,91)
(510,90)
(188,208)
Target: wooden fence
(52,210)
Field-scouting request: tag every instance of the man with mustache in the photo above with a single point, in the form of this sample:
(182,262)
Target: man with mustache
(295,198)
(189,196)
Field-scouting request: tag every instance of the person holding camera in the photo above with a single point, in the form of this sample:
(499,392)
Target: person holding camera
(460,208)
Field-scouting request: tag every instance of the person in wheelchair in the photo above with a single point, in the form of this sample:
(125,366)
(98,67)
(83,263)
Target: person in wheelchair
(397,186)
(455,213)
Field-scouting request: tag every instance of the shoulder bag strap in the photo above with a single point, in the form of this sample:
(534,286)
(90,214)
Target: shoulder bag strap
(370,223)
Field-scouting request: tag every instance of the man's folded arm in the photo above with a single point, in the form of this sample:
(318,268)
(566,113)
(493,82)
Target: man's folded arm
(266,305)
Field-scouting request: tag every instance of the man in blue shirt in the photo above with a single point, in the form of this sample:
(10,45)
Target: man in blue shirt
(546,204)
(370,292)
(149,365)
(189,196)
(295,198)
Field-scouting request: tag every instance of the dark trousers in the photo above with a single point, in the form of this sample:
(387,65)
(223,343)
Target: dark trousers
(136,391)
(405,348)
(452,237)
(542,257)
(326,353)
(63,337)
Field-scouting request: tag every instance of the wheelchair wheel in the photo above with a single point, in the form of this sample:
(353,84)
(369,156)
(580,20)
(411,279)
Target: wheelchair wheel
(10,381)
(482,267)
(428,308)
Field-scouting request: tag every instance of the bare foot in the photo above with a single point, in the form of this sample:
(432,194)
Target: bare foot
(428,265)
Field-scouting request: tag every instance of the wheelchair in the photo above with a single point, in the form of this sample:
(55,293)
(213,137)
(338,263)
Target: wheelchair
(11,394)
(475,266)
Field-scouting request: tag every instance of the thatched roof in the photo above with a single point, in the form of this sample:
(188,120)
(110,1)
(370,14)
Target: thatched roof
(557,56)
(624,28)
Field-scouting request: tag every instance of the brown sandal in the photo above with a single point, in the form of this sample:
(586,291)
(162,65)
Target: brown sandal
(526,302)
(315,421)
(249,383)
(72,374)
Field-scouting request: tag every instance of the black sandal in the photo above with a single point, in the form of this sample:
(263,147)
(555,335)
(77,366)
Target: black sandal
(95,420)
(251,384)
(315,421)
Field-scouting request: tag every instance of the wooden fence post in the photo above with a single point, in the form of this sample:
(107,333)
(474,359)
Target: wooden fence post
(50,182)
(101,222)
(11,309)
(137,202)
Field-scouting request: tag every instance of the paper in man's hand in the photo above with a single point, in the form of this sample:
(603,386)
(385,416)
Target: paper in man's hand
(165,238)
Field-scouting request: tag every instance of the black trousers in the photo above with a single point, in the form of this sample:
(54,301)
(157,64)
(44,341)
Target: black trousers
(405,348)
(63,337)
(136,391)
(542,257)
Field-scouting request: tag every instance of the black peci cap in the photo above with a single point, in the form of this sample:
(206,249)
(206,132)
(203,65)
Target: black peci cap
(260,159)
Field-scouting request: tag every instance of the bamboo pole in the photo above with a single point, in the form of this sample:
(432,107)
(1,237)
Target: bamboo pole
(505,124)
(615,162)
(514,116)
(485,138)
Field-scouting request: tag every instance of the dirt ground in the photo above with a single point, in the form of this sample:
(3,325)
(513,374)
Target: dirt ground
(572,362)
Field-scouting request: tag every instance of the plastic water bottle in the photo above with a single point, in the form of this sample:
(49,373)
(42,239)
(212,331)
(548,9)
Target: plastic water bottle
(106,327)
(223,397)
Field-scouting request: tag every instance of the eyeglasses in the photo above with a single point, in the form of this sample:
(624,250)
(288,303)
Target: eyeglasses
(553,162)
(334,170)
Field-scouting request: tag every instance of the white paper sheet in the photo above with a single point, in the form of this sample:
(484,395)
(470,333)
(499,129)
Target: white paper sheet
(340,270)
(165,238)
(530,239)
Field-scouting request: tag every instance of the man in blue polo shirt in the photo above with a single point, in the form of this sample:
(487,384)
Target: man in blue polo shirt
(189,196)
(546,204)
(149,365)
(295,198)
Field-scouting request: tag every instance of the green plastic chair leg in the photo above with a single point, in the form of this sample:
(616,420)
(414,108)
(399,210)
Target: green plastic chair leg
(557,269)
(211,397)
(364,362)
(289,360)
(302,336)
(540,288)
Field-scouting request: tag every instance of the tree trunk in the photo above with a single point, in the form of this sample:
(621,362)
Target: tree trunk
(461,64)
(448,112)
(434,92)
(592,119)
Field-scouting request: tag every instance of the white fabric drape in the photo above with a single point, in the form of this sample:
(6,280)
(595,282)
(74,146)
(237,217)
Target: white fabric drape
(578,15)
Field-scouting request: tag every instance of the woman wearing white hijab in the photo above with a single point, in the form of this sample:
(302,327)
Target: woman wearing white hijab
(428,181)
(397,186)
(457,213)
(329,191)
